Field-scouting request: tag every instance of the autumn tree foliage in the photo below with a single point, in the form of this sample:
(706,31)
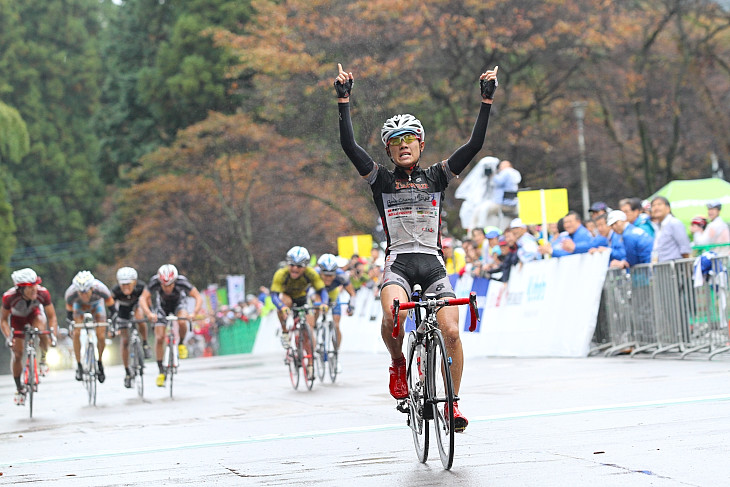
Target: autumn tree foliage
(233,192)
(424,57)
(231,196)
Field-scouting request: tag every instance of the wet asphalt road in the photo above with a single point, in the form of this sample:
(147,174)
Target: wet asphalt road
(236,420)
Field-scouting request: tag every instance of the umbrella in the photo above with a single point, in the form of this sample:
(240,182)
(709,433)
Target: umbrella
(689,198)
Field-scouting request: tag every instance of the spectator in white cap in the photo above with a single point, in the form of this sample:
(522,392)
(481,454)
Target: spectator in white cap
(527,248)
(637,243)
(716,231)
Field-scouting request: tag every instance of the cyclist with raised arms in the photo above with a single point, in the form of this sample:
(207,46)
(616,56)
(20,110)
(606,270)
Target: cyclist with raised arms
(126,293)
(335,280)
(166,294)
(409,199)
(86,294)
(289,288)
(27,302)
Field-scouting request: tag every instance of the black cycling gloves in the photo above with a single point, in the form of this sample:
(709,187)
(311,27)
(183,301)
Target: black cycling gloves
(488,88)
(343,90)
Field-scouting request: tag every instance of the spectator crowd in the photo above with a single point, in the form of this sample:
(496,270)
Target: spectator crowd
(637,232)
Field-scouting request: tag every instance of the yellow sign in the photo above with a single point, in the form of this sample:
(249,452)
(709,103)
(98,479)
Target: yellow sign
(354,244)
(555,203)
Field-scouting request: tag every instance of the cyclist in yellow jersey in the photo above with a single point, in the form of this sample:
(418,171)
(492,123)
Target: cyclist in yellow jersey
(289,288)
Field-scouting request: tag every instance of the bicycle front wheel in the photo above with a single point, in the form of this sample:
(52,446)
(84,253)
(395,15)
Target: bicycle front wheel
(138,367)
(90,374)
(306,350)
(321,356)
(171,361)
(441,397)
(416,370)
(30,381)
(332,353)
(292,358)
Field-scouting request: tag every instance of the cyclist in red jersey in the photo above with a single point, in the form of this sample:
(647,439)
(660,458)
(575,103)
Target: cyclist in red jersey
(26,303)
(409,200)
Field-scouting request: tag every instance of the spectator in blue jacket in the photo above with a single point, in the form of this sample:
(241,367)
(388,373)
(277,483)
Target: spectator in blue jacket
(580,240)
(607,239)
(635,214)
(637,243)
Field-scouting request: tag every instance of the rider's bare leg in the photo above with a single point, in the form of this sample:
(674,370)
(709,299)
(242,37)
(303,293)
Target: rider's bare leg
(394,345)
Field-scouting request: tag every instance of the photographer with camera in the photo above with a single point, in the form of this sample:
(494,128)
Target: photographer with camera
(503,204)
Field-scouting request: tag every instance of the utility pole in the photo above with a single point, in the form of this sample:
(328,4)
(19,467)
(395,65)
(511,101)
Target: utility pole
(579,109)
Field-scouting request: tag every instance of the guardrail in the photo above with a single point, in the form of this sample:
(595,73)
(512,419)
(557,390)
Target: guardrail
(678,306)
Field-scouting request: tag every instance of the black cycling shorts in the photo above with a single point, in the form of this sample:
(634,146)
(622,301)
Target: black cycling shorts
(407,270)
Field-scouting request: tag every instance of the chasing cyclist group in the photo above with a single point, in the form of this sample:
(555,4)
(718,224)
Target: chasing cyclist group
(409,200)
(28,303)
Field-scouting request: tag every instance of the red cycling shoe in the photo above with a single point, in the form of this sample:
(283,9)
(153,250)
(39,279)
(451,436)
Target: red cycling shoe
(460,421)
(398,381)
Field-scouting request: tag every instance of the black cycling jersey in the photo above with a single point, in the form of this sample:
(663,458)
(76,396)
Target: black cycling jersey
(169,302)
(127,302)
(410,205)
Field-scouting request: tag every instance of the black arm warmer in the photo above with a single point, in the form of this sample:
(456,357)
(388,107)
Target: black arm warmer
(360,159)
(464,154)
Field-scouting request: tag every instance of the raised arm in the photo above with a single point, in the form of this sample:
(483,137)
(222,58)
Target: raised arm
(464,154)
(360,159)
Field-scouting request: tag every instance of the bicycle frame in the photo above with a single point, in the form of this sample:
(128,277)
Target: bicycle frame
(170,357)
(429,373)
(297,356)
(326,339)
(90,359)
(136,353)
(30,376)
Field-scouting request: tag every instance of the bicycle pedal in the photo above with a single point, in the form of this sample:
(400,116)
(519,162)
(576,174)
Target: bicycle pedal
(402,406)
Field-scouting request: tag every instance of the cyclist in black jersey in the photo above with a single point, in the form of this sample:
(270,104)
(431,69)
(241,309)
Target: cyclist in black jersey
(409,200)
(166,294)
(127,293)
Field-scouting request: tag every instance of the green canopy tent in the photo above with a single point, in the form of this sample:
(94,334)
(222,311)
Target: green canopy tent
(689,198)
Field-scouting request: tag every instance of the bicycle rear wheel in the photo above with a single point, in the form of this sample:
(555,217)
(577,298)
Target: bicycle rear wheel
(321,356)
(441,397)
(332,352)
(417,396)
(306,350)
(292,358)
(138,368)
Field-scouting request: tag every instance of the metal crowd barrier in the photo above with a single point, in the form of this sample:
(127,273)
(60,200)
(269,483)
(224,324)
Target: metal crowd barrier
(667,307)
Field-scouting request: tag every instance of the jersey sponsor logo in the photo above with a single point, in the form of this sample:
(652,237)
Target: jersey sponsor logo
(407,199)
(410,184)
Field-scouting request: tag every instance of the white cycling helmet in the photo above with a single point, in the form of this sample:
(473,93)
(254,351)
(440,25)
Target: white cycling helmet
(83,281)
(402,124)
(25,277)
(328,263)
(297,256)
(126,275)
(167,274)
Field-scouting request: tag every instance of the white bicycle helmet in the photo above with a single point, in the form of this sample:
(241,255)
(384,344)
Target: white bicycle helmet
(328,263)
(401,124)
(167,274)
(83,281)
(126,275)
(25,277)
(297,256)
